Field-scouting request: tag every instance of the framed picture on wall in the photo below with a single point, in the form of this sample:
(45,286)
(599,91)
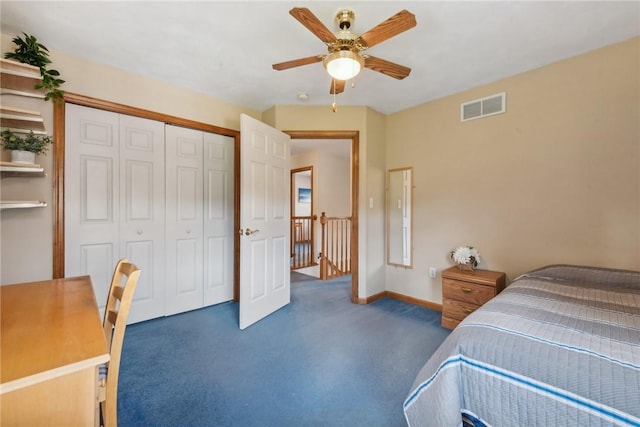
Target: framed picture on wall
(304,195)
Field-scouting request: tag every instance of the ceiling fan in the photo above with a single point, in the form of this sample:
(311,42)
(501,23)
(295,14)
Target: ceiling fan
(344,60)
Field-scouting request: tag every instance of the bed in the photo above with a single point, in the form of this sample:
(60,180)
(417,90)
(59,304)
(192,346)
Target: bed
(560,346)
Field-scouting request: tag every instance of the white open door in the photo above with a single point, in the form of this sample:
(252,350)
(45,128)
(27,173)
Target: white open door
(264,220)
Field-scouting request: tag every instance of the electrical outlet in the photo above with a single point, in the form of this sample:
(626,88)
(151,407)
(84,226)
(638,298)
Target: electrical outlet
(432,272)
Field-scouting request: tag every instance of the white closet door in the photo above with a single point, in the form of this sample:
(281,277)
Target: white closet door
(92,194)
(142,211)
(218,218)
(184,219)
(114,202)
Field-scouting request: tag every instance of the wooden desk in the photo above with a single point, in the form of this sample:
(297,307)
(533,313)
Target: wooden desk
(52,342)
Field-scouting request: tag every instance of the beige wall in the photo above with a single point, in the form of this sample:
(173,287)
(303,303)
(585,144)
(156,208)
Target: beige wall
(111,84)
(27,236)
(553,180)
(334,184)
(374,193)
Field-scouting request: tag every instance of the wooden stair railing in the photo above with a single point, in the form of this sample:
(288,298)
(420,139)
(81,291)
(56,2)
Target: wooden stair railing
(302,241)
(335,255)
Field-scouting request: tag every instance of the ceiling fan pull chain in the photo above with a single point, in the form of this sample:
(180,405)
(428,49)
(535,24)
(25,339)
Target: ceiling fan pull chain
(334,106)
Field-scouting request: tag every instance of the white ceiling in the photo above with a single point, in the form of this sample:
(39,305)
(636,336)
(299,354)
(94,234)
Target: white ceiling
(225,48)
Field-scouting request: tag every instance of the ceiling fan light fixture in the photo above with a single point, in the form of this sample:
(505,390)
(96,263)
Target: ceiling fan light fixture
(343,64)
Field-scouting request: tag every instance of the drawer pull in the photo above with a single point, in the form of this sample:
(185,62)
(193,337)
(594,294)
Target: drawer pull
(466,290)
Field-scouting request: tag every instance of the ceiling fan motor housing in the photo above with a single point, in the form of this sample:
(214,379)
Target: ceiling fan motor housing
(345,18)
(346,39)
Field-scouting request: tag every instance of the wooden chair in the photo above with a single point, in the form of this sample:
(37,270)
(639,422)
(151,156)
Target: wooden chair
(116,312)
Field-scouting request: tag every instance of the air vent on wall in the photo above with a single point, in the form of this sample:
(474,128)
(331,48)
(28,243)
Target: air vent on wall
(483,107)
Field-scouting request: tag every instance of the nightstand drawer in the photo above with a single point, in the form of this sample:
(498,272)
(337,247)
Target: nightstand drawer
(457,309)
(466,291)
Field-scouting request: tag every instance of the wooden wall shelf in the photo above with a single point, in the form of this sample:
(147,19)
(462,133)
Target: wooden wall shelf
(21,204)
(21,169)
(19,79)
(19,119)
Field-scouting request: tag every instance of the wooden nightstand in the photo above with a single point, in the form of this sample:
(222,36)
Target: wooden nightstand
(464,291)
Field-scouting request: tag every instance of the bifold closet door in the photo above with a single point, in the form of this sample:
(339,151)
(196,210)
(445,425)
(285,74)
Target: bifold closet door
(114,202)
(160,195)
(142,212)
(184,219)
(92,194)
(218,218)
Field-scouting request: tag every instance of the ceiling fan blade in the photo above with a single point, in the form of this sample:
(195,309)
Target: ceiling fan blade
(387,68)
(337,86)
(398,23)
(297,62)
(313,24)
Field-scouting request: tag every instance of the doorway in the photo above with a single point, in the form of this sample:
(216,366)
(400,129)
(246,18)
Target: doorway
(303,219)
(353,138)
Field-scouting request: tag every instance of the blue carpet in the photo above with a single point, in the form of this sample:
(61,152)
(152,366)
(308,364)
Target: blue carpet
(319,361)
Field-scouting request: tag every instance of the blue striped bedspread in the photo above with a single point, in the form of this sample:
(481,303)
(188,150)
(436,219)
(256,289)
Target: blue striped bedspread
(559,347)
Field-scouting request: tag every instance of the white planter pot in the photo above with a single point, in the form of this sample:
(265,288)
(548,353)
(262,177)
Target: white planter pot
(23,156)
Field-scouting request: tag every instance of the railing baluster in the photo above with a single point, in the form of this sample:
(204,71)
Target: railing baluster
(302,241)
(335,255)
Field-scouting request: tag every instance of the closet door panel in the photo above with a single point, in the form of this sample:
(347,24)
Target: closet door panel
(95,260)
(187,268)
(96,189)
(142,195)
(218,218)
(184,219)
(92,194)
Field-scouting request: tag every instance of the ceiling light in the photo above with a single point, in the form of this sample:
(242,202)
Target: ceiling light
(343,64)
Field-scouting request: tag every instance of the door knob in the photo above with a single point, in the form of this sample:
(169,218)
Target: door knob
(248,232)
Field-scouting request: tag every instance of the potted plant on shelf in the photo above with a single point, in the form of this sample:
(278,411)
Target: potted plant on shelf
(30,51)
(24,148)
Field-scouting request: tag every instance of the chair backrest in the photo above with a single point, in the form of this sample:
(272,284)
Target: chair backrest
(116,312)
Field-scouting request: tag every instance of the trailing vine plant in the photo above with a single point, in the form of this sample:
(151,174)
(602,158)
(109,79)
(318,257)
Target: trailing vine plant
(29,51)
